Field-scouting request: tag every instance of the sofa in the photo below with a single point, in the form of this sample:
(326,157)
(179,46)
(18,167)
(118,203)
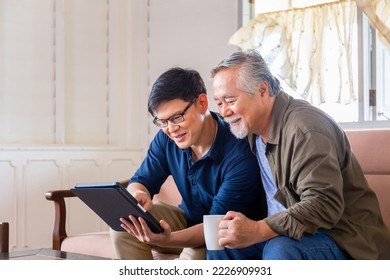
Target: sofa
(372,149)
(369,146)
(98,243)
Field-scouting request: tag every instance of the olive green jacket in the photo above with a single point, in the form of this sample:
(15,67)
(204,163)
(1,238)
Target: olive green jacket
(320,182)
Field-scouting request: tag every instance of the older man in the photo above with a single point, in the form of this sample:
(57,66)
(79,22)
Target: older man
(319,203)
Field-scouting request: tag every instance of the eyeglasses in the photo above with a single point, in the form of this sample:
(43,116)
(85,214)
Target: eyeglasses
(175,119)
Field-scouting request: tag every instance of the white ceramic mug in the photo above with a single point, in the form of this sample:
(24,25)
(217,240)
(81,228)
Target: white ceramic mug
(211,228)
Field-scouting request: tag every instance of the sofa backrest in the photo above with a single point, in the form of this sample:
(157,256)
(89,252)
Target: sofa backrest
(169,193)
(372,149)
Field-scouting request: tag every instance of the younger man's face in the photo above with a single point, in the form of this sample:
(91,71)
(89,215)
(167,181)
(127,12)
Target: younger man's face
(186,133)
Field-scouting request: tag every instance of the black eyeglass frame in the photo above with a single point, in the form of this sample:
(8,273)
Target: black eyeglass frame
(176,118)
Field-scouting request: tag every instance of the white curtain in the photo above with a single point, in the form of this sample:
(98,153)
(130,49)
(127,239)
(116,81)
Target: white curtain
(309,48)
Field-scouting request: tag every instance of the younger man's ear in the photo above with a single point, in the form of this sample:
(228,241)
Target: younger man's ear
(203,101)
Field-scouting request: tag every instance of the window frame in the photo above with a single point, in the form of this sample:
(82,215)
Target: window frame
(366,73)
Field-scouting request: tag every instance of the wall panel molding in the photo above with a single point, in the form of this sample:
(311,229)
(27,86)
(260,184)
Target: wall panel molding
(27,174)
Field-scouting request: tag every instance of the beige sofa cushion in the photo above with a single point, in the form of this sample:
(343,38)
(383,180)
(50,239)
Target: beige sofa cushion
(371,148)
(93,244)
(99,244)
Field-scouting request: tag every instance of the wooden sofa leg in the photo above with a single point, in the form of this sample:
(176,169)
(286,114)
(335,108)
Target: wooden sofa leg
(4,237)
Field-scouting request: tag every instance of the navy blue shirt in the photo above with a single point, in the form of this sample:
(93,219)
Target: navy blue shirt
(226,178)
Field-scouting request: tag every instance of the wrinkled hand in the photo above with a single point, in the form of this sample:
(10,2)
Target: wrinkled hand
(237,231)
(139,229)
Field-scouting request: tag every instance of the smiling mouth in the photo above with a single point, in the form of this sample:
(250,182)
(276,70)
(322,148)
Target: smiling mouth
(233,122)
(179,137)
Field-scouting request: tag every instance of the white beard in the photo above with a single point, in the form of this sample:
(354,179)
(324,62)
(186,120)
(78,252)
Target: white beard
(240,131)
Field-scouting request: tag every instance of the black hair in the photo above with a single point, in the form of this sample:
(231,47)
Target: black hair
(175,83)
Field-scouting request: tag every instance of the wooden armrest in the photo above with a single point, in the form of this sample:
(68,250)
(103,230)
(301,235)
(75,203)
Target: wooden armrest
(58,197)
(124,183)
(4,237)
(59,231)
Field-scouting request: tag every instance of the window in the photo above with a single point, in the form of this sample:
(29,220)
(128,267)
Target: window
(380,77)
(362,102)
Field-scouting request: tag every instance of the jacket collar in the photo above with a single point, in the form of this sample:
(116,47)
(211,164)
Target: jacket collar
(282,101)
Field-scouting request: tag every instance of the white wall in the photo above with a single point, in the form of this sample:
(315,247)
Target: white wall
(146,38)
(191,34)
